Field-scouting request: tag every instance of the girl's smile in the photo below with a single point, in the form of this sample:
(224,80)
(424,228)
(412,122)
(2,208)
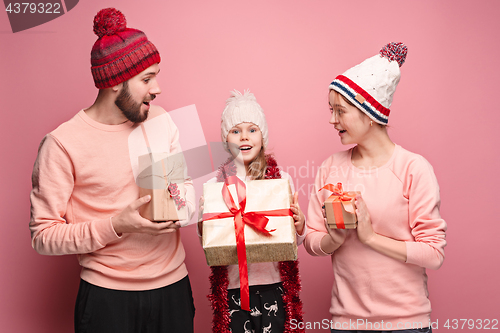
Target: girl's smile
(245,142)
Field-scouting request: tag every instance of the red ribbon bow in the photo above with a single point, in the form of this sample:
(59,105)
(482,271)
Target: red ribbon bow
(256,220)
(339,195)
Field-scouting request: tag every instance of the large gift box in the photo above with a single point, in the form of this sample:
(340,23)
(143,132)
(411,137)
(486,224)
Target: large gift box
(262,199)
(162,177)
(340,208)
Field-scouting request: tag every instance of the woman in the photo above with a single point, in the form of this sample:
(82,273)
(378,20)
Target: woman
(379,267)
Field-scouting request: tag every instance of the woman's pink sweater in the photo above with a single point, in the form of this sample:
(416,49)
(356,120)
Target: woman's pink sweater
(371,289)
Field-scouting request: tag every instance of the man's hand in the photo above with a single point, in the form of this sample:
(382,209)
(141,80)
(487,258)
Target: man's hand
(130,221)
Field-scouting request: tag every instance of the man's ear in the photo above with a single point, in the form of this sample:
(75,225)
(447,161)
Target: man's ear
(118,87)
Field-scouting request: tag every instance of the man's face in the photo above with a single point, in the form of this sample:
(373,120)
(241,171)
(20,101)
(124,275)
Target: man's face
(136,94)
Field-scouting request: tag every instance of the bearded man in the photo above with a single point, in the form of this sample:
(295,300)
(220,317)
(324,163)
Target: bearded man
(85,198)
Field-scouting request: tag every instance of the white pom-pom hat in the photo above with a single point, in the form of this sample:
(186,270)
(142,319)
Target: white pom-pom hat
(242,108)
(370,86)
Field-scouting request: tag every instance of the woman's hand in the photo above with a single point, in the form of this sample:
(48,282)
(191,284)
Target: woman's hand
(390,247)
(334,239)
(298,216)
(365,229)
(337,235)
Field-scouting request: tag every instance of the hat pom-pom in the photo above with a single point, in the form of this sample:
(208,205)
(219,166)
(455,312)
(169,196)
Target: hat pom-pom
(238,99)
(109,21)
(395,52)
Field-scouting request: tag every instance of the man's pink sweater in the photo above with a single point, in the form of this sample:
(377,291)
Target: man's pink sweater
(403,200)
(82,177)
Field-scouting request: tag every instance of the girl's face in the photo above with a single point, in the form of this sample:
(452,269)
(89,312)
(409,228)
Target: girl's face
(245,142)
(351,124)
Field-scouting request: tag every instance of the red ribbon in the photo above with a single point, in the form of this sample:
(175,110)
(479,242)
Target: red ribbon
(256,220)
(339,195)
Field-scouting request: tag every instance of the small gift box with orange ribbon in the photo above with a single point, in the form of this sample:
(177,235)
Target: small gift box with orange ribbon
(247,222)
(340,207)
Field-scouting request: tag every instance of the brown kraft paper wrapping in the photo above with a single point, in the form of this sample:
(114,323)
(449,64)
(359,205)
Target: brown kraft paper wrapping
(158,171)
(348,213)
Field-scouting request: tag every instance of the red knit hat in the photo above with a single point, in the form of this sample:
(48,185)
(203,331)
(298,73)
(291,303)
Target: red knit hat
(120,53)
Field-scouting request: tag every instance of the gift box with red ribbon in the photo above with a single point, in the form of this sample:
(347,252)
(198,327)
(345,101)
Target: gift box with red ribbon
(247,222)
(268,225)
(340,207)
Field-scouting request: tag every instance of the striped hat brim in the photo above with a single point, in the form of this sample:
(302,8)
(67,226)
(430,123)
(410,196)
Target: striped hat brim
(361,99)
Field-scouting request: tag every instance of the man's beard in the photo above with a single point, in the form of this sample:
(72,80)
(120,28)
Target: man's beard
(130,108)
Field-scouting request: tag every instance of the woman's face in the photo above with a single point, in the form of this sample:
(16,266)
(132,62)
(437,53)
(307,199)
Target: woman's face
(245,142)
(351,124)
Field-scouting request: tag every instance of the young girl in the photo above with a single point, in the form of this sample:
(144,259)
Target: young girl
(379,268)
(274,287)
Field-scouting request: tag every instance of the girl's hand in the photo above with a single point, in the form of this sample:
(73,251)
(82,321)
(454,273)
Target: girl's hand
(200,215)
(365,229)
(298,216)
(200,209)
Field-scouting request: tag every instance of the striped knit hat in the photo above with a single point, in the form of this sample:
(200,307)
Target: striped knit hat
(120,53)
(370,85)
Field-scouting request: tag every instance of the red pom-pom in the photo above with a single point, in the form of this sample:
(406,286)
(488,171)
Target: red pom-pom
(395,52)
(108,22)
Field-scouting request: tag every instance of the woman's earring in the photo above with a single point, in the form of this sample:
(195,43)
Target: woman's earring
(371,123)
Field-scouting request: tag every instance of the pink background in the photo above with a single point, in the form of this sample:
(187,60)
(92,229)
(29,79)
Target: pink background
(286,52)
